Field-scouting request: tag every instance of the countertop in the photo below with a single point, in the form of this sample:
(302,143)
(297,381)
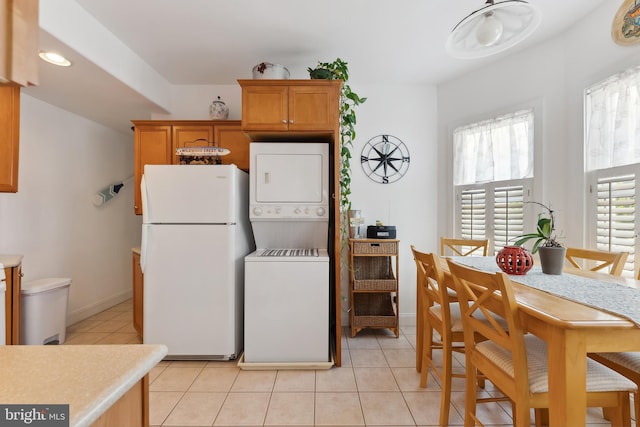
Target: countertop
(10,260)
(136,250)
(90,378)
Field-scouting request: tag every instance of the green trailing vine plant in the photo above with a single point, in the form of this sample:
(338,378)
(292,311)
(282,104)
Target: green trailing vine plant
(339,70)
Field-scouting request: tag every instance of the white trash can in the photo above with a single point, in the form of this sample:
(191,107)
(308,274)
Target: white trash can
(44,311)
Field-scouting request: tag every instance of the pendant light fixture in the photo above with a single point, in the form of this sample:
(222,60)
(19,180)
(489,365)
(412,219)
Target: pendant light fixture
(494,28)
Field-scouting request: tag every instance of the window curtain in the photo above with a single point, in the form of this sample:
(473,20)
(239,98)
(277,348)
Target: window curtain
(613,121)
(494,150)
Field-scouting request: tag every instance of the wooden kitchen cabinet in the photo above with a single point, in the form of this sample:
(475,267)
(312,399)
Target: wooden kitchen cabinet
(12,307)
(373,284)
(19,42)
(301,107)
(9,137)
(155,143)
(152,146)
(132,409)
(138,293)
(190,136)
(232,137)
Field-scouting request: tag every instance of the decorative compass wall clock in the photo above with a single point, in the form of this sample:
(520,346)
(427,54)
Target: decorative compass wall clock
(385,159)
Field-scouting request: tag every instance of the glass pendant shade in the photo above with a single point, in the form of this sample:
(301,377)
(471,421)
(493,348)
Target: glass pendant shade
(489,31)
(493,28)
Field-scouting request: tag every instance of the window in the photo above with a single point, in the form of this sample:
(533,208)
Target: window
(612,146)
(613,121)
(493,172)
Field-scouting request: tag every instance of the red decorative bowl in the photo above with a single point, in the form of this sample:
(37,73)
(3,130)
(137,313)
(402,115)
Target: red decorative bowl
(514,260)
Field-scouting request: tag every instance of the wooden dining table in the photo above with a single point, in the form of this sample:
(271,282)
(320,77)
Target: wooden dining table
(571,330)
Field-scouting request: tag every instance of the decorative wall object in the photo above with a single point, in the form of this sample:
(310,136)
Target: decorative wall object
(625,29)
(108,193)
(385,159)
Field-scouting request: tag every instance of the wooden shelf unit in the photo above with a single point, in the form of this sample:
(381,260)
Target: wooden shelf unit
(373,284)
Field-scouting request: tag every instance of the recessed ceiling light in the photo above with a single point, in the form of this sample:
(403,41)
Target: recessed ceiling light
(55,59)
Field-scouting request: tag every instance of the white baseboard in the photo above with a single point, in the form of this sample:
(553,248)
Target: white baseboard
(407,319)
(84,312)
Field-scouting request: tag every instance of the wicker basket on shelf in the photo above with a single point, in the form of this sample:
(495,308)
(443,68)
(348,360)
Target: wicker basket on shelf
(374,274)
(374,310)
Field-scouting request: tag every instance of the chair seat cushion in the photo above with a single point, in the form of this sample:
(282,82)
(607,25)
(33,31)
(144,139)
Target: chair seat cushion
(454,309)
(599,377)
(456,317)
(630,360)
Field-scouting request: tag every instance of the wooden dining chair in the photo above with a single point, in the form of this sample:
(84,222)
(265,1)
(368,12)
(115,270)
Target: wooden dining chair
(627,364)
(595,260)
(516,362)
(463,247)
(438,314)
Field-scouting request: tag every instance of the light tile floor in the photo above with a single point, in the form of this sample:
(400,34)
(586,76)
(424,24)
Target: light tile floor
(377,385)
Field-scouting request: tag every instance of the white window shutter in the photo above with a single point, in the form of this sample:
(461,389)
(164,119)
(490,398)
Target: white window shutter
(472,205)
(616,216)
(508,221)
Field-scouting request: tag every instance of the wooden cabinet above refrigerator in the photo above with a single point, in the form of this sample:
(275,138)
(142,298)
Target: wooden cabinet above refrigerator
(155,143)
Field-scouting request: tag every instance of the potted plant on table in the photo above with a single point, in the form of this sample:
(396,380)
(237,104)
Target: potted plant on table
(552,252)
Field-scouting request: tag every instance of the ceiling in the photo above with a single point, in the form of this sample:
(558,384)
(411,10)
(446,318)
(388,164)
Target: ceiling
(216,42)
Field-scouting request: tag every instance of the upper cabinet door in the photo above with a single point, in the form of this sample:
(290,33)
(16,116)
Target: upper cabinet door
(9,137)
(312,108)
(231,137)
(265,108)
(19,42)
(190,136)
(152,145)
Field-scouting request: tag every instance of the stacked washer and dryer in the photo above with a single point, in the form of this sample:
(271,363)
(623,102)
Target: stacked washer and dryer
(287,277)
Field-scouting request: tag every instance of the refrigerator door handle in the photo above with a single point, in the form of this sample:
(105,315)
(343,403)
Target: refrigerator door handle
(143,247)
(145,201)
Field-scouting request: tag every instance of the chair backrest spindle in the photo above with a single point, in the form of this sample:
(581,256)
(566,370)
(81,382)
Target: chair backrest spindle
(463,247)
(597,260)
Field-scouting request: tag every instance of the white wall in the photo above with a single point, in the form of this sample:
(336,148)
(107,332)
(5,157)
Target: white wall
(553,76)
(191,102)
(408,113)
(51,221)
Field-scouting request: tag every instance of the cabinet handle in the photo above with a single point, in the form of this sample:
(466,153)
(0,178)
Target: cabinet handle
(284,121)
(291,121)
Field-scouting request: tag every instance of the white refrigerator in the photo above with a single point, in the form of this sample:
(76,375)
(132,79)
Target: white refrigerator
(195,235)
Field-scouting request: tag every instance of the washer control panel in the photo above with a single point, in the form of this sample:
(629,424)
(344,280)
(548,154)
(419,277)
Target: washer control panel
(263,211)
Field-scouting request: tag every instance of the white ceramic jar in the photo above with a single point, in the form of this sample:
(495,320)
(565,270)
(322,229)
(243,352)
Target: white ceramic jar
(218,110)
